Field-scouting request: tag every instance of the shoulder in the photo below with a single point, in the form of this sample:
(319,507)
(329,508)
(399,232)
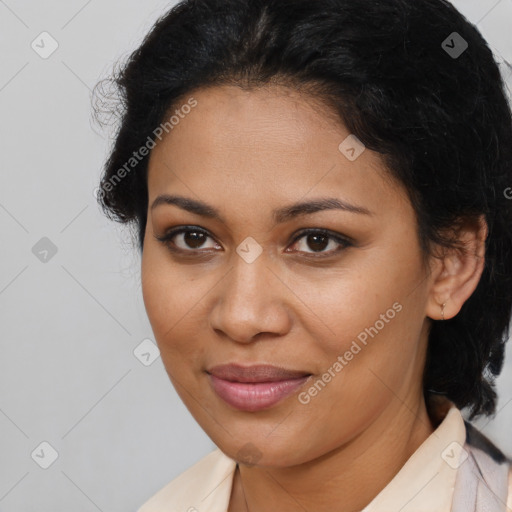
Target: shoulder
(489,468)
(478,440)
(208,481)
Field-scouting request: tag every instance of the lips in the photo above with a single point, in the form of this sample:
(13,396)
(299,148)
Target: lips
(256,373)
(253,388)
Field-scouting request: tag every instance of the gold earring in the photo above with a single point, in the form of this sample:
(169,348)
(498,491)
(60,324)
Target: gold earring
(442,310)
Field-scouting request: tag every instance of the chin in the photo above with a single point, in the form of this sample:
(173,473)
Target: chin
(262,451)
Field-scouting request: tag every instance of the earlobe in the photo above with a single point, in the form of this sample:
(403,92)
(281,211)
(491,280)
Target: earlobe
(438,310)
(459,271)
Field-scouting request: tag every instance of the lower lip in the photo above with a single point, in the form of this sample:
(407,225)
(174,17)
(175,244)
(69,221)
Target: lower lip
(247,396)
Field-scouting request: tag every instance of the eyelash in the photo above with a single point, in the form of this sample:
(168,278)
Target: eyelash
(168,236)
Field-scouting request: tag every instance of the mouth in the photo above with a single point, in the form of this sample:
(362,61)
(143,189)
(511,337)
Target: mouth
(253,388)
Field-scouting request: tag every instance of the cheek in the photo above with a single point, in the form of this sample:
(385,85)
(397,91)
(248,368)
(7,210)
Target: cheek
(377,299)
(172,304)
(348,305)
(373,322)
(160,291)
(362,378)
(379,364)
(154,294)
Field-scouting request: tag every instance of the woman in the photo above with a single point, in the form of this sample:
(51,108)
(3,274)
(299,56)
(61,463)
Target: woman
(319,193)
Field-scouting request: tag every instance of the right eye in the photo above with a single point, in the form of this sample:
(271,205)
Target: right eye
(190,237)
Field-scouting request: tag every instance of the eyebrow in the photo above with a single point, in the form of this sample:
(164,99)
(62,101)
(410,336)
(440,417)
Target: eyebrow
(280,215)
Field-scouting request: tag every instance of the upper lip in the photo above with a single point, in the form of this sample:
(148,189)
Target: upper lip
(255,373)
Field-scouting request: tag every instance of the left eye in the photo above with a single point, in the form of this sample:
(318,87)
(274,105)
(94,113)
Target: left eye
(319,240)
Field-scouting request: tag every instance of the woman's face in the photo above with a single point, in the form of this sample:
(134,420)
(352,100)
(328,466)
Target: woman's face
(252,286)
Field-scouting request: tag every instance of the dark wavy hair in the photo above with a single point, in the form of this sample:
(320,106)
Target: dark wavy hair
(441,122)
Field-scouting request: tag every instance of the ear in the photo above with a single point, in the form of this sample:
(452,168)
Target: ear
(456,273)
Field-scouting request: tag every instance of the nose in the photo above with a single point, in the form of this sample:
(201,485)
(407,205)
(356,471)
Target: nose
(251,301)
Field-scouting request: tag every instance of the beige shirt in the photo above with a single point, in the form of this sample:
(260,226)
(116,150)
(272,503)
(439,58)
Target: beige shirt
(424,484)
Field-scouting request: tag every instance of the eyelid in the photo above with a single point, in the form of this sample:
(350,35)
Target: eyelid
(323,231)
(343,240)
(178,230)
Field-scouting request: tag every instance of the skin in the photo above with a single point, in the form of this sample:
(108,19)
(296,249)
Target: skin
(246,154)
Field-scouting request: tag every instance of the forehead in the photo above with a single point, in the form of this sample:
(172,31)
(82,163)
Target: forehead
(270,144)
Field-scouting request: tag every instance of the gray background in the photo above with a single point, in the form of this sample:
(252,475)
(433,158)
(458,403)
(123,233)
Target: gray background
(70,324)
